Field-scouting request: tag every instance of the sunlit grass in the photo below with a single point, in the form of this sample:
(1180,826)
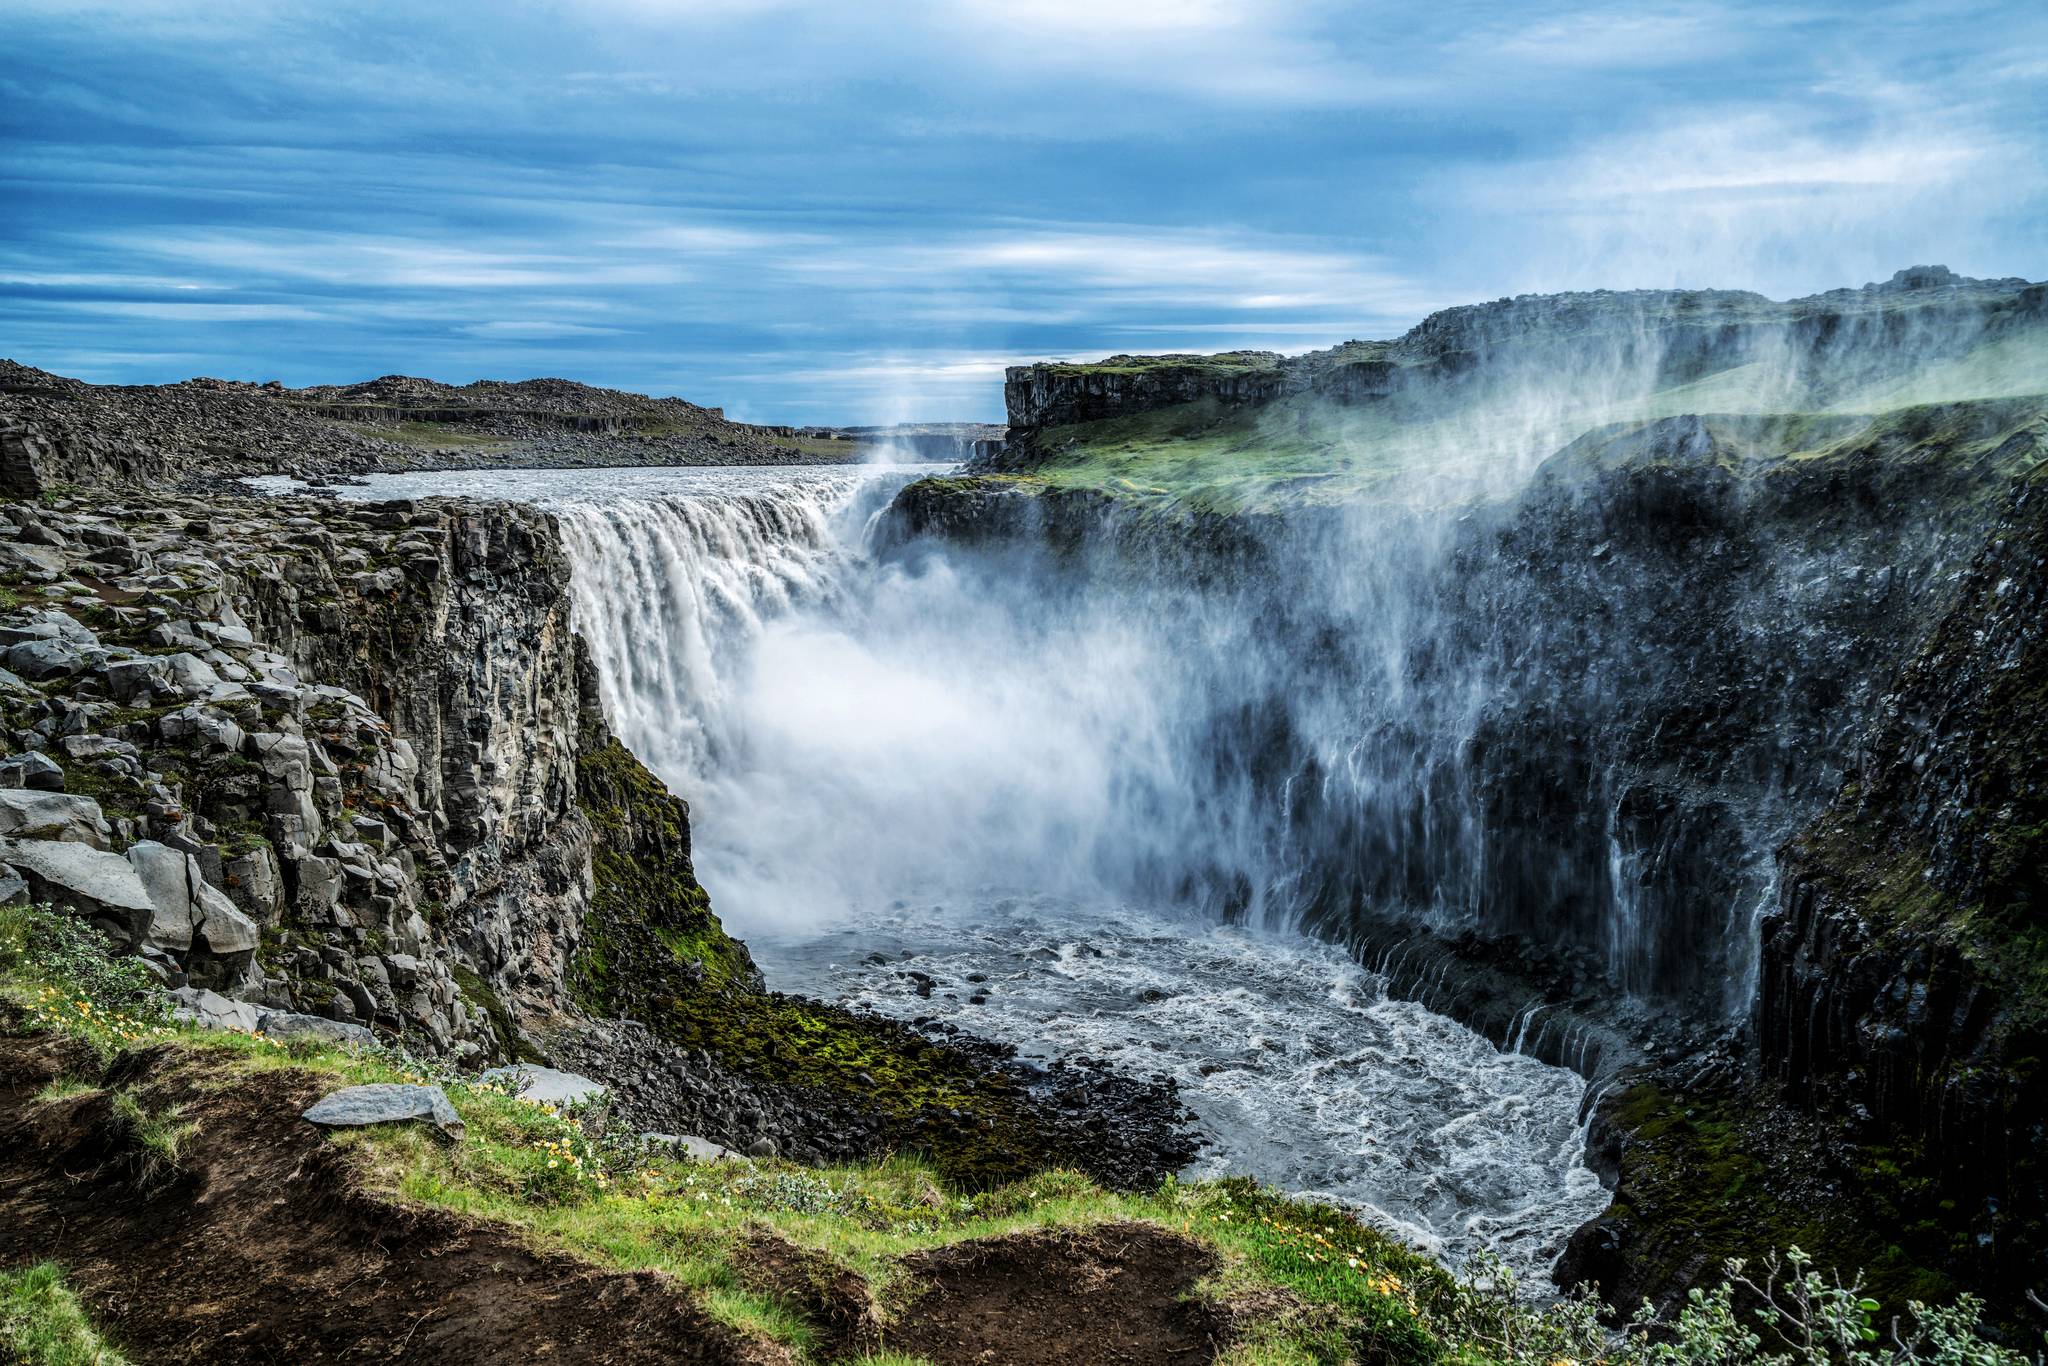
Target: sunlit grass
(42,1323)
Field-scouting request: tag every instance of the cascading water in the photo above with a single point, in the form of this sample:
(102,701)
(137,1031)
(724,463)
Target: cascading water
(974,788)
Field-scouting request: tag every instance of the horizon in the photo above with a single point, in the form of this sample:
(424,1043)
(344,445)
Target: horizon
(769,207)
(998,421)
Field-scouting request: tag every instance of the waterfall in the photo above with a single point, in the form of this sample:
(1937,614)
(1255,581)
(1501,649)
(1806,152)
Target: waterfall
(672,591)
(1348,721)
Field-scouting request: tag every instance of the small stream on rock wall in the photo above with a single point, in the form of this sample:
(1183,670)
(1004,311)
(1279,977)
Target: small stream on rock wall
(960,791)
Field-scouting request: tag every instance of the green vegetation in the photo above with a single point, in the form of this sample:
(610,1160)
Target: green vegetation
(42,1324)
(1299,1282)
(1704,1169)
(430,435)
(653,950)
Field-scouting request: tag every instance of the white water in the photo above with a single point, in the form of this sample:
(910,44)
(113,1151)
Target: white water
(969,771)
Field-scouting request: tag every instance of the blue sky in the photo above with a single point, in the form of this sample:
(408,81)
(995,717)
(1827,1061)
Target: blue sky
(861,210)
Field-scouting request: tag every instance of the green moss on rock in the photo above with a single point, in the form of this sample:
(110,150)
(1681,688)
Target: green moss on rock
(653,950)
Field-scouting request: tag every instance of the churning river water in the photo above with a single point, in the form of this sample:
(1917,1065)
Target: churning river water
(907,780)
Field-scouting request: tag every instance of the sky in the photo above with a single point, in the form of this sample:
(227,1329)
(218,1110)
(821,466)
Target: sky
(862,210)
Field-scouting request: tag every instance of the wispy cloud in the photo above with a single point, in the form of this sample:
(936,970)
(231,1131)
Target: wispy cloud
(810,210)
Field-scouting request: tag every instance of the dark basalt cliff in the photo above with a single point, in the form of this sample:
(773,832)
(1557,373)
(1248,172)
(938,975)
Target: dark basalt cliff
(1750,827)
(341,768)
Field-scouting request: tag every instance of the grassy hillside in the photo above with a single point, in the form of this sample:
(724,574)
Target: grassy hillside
(879,1263)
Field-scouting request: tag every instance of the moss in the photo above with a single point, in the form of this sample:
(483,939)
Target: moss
(477,994)
(1710,1178)
(653,950)
(648,915)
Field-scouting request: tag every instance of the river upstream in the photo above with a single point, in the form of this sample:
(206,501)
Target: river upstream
(932,791)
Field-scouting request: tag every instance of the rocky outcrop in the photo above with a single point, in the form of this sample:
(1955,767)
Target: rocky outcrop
(1057,395)
(57,432)
(279,838)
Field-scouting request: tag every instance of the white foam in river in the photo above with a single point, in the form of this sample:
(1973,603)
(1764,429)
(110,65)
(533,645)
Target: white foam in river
(881,760)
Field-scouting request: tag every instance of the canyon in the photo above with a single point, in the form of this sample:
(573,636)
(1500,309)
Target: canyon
(1617,716)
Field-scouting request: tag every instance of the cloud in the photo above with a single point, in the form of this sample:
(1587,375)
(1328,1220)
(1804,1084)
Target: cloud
(537,330)
(1781,198)
(808,209)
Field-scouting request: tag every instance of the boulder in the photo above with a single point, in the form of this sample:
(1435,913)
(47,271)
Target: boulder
(191,675)
(33,770)
(285,1024)
(546,1086)
(386,1103)
(36,815)
(101,886)
(211,1010)
(128,679)
(44,659)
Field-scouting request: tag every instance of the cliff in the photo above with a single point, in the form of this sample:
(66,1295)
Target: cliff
(1684,641)
(1890,1111)
(340,769)
(1229,428)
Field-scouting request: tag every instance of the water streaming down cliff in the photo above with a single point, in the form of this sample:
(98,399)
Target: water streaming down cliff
(966,788)
(958,789)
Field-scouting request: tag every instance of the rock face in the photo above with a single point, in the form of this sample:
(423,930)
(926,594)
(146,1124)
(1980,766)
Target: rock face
(293,839)
(1662,336)
(1051,395)
(341,769)
(1902,974)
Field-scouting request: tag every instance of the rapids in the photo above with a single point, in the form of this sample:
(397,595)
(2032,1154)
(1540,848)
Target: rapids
(960,791)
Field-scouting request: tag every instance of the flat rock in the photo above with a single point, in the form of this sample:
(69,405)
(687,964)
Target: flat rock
(546,1085)
(31,814)
(692,1147)
(211,1010)
(386,1102)
(285,1024)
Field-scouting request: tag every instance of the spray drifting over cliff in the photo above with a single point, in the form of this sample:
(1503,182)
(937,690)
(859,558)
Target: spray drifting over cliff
(886,770)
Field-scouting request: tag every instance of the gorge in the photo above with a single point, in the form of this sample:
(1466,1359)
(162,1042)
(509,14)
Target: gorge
(1564,781)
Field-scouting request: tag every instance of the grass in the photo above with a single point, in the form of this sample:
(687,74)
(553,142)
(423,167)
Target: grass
(431,435)
(1334,1285)
(155,1140)
(42,1323)
(1299,1281)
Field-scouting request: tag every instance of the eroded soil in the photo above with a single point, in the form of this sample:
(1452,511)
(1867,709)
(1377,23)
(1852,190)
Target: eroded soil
(264,1245)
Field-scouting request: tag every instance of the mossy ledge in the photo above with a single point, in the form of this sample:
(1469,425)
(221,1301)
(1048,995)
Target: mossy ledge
(653,951)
